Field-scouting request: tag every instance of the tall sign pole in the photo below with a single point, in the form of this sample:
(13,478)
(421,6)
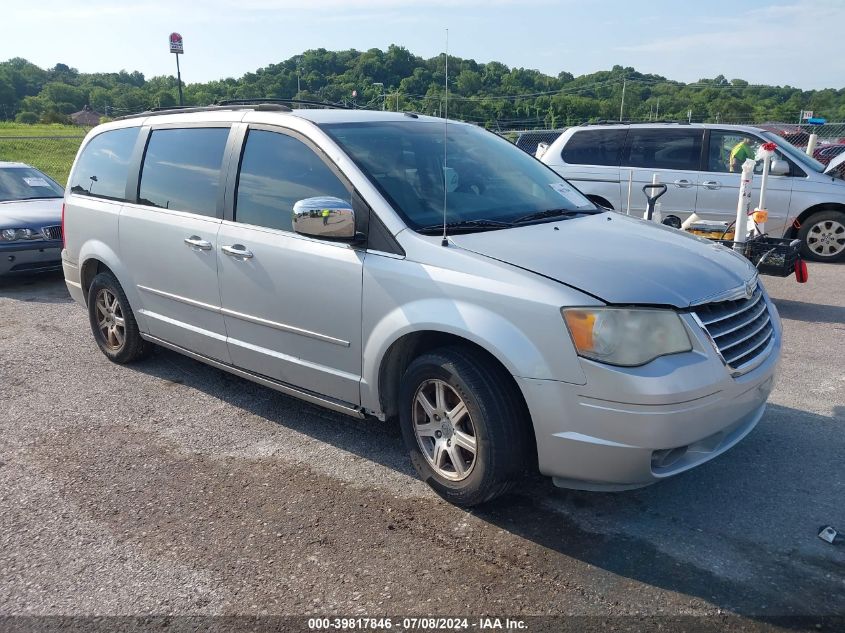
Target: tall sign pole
(177,48)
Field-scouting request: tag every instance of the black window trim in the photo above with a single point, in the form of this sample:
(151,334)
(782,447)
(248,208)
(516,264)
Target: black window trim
(133,185)
(626,150)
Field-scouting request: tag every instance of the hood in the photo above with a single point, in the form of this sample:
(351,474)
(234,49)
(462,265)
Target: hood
(30,214)
(619,259)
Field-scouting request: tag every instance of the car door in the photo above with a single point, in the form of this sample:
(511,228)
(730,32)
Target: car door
(673,154)
(168,236)
(719,181)
(291,303)
(590,161)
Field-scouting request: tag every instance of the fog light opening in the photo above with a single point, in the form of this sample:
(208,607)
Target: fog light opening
(667,457)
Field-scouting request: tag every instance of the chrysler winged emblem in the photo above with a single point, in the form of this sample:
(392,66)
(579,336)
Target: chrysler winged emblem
(750,285)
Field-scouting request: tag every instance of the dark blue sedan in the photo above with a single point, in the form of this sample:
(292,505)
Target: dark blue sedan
(30,220)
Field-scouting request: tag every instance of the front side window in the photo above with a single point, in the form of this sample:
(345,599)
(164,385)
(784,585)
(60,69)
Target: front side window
(276,171)
(594,147)
(729,150)
(103,166)
(26,183)
(486,178)
(665,148)
(793,152)
(181,169)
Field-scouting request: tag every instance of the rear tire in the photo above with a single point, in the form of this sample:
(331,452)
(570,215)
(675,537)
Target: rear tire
(113,322)
(822,236)
(463,425)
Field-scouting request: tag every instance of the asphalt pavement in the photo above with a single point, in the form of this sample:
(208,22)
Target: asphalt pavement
(171,488)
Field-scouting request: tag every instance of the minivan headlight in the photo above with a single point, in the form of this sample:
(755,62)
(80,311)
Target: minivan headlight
(626,336)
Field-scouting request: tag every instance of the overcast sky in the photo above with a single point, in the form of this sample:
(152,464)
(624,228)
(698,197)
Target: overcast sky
(793,42)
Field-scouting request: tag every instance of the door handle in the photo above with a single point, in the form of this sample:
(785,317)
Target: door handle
(712,184)
(684,184)
(237,250)
(195,241)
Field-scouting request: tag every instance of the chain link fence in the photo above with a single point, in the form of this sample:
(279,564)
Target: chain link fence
(51,154)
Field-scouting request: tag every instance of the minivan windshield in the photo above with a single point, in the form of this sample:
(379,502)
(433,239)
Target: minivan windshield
(26,183)
(489,182)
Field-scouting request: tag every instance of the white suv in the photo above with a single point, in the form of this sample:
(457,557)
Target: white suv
(694,161)
(305,250)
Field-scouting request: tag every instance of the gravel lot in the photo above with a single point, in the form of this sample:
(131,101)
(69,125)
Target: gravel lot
(168,487)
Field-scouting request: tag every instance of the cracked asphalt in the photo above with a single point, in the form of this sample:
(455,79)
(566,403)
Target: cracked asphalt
(171,488)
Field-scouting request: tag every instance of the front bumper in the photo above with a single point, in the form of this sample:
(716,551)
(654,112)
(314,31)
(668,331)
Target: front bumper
(631,427)
(20,258)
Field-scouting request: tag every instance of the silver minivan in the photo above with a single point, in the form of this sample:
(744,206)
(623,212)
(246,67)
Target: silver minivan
(394,266)
(698,163)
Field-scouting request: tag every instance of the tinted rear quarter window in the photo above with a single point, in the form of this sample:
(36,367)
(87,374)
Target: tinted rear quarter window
(594,147)
(103,166)
(181,169)
(669,148)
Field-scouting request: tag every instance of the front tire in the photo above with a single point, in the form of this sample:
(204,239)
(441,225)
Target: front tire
(463,425)
(822,236)
(113,322)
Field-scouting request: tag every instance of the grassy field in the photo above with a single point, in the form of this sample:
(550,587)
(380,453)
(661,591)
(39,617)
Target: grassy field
(50,148)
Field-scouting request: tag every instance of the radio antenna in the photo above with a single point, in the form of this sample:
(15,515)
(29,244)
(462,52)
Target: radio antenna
(445,241)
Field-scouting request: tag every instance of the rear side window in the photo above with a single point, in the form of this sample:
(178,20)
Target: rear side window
(664,149)
(277,171)
(181,169)
(594,147)
(103,166)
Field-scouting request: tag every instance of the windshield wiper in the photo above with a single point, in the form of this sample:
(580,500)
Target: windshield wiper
(34,198)
(465,226)
(550,213)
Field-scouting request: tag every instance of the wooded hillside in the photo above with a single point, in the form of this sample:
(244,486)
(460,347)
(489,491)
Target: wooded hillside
(490,93)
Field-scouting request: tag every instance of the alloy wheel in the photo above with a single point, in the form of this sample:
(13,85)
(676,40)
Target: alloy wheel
(826,238)
(444,430)
(110,319)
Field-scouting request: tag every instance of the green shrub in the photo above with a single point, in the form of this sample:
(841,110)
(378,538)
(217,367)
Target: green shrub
(27,117)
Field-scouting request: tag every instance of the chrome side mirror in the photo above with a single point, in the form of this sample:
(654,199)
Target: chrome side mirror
(324,217)
(779,167)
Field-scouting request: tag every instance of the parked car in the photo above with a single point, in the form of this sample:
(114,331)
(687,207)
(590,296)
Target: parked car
(30,220)
(794,134)
(825,153)
(305,250)
(803,199)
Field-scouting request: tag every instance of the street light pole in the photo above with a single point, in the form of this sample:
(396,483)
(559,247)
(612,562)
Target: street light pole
(382,95)
(622,105)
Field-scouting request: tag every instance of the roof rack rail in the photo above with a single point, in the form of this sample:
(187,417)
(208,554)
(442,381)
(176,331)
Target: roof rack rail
(305,102)
(629,122)
(277,107)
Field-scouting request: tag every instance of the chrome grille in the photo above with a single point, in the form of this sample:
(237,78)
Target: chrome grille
(740,329)
(52,232)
